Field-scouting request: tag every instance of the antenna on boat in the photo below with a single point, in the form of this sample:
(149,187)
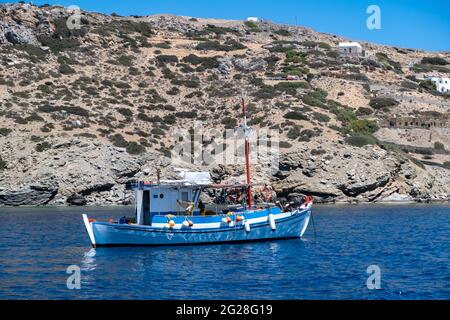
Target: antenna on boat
(247,151)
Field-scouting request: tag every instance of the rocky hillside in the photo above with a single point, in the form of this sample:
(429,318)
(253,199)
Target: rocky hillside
(83,111)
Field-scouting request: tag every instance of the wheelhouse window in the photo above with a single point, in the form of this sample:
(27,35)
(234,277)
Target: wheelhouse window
(184,196)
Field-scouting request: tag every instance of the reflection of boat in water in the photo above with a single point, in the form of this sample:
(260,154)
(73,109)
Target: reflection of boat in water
(171,213)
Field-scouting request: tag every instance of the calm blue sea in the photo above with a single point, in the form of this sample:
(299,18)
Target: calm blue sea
(409,243)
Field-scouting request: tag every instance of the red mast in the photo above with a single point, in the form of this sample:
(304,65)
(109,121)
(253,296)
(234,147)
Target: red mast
(247,156)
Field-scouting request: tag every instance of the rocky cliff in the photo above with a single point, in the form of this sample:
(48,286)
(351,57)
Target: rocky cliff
(84,110)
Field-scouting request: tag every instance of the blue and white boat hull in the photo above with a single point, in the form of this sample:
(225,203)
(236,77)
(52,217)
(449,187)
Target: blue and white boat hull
(285,225)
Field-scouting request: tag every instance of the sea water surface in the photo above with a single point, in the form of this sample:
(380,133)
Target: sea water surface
(410,243)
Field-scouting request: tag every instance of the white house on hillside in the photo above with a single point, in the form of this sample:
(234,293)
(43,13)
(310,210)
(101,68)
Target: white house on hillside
(253,19)
(442,84)
(350,48)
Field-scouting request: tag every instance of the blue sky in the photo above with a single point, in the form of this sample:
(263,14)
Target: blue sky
(405,23)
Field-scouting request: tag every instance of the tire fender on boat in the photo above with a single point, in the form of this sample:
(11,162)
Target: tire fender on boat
(272,222)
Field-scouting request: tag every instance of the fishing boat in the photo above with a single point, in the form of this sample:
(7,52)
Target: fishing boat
(172,213)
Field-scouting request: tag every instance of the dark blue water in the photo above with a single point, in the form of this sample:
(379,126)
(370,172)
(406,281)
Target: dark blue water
(410,244)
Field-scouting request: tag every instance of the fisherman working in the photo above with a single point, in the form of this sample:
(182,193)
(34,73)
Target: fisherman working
(190,209)
(202,208)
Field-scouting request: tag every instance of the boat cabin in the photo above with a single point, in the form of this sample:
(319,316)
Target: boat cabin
(164,198)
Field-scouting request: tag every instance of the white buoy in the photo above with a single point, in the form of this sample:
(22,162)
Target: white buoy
(224,220)
(185,224)
(272,221)
(247,226)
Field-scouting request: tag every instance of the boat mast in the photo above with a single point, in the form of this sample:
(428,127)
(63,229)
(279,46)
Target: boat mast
(247,157)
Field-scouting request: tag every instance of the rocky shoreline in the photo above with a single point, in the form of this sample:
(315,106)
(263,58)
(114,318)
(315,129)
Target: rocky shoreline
(84,112)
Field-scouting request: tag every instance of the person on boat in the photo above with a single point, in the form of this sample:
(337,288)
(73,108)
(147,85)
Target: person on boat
(190,209)
(267,193)
(202,208)
(235,196)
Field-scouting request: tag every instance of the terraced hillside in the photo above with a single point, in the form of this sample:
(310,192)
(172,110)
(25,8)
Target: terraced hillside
(84,110)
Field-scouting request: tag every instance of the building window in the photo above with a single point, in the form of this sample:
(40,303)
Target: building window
(184,196)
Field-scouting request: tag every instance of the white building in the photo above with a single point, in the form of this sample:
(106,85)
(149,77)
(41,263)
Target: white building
(442,84)
(253,19)
(350,48)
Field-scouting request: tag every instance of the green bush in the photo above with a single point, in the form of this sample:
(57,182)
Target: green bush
(124,60)
(307,134)
(210,28)
(285,145)
(202,62)
(21,94)
(123,28)
(282,32)
(427,85)
(174,91)
(34,117)
(318,152)
(419,67)
(388,62)
(446,164)
(118,140)
(437,61)
(409,85)
(189,83)
(67,60)
(383,102)
(3,164)
(135,148)
(317,98)
(250,24)
(193,94)
(356,77)
(293,56)
(5,131)
(63,38)
(229,122)
(66,69)
(321,117)
(58,44)
(343,113)
(35,54)
(229,45)
(40,147)
(363,126)
(439,146)
(169,119)
(78,111)
(157,131)
(186,114)
(363,111)
(360,140)
(146,118)
(164,59)
(125,112)
(291,87)
(295,115)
